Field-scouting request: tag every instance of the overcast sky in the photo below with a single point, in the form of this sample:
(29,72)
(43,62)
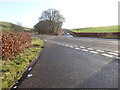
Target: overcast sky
(77,13)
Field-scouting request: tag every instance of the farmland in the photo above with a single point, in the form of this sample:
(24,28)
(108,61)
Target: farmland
(105,29)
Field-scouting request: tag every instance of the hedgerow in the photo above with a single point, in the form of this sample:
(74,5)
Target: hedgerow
(13,43)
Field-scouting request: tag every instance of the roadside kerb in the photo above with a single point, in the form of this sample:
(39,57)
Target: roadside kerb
(30,67)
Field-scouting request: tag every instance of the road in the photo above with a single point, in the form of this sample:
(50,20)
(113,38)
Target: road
(71,62)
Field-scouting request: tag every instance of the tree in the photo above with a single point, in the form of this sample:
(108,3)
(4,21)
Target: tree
(50,22)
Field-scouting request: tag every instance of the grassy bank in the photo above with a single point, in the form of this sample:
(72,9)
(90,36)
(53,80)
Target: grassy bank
(14,67)
(105,29)
(10,27)
(111,32)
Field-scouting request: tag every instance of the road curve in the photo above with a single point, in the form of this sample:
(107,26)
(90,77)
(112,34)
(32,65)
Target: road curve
(75,63)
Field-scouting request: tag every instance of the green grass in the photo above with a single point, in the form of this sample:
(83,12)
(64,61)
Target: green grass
(10,27)
(27,29)
(105,29)
(6,26)
(13,68)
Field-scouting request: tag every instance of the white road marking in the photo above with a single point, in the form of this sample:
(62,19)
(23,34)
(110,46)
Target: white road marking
(113,53)
(45,40)
(116,51)
(117,57)
(100,50)
(15,87)
(93,52)
(90,49)
(30,75)
(84,50)
(107,55)
(71,47)
(82,47)
(77,48)
(30,68)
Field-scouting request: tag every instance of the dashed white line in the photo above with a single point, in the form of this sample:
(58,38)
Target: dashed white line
(67,45)
(113,53)
(90,49)
(30,68)
(71,47)
(82,47)
(84,50)
(107,55)
(45,40)
(100,50)
(93,52)
(29,75)
(77,48)
(15,87)
(117,57)
(116,51)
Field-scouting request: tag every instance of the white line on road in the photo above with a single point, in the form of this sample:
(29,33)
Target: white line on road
(45,40)
(90,49)
(100,50)
(30,68)
(117,57)
(15,87)
(93,52)
(113,53)
(82,47)
(84,50)
(67,45)
(107,55)
(77,48)
(116,51)
(71,47)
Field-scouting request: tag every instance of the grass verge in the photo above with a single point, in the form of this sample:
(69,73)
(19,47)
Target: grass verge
(14,67)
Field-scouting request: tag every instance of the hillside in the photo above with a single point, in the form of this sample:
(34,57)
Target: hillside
(10,27)
(105,29)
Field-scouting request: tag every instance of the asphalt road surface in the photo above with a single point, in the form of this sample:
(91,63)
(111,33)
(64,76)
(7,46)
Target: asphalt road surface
(69,62)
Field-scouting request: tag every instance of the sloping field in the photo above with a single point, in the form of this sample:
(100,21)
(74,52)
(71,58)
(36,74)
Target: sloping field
(105,29)
(10,27)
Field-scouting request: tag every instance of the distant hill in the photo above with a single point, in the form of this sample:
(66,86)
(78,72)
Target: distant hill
(10,27)
(104,29)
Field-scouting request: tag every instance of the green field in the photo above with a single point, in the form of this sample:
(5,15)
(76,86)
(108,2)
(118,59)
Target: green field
(27,29)
(104,29)
(10,27)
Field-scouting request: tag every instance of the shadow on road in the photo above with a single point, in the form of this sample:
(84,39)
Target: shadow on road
(107,74)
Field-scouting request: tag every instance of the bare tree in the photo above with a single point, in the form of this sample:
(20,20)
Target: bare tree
(50,21)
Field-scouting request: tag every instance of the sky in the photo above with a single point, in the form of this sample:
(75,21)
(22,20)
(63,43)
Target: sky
(77,13)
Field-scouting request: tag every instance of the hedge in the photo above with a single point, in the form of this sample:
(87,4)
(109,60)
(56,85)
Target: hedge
(13,43)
